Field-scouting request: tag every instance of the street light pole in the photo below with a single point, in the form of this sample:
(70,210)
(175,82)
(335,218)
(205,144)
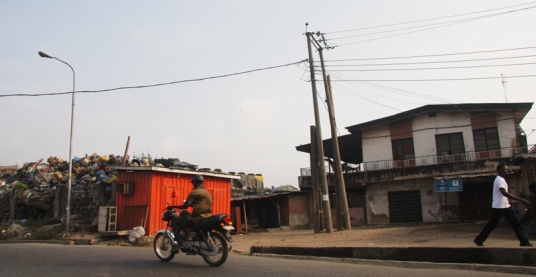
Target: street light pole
(69,181)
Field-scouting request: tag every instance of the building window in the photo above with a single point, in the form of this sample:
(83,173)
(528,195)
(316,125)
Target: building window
(486,139)
(403,149)
(449,145)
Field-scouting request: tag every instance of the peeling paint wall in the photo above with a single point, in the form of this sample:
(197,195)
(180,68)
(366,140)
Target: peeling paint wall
(299,217)
(436,207)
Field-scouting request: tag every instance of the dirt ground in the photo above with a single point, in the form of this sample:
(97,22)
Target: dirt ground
(392,235)
(427,235)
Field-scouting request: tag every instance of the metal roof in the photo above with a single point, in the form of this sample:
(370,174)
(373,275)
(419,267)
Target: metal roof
(466,175)
(520,110)
(260,196)
(178,171)
(349,148)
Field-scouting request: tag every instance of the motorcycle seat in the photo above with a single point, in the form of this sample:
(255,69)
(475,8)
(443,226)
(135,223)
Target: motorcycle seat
(206,223)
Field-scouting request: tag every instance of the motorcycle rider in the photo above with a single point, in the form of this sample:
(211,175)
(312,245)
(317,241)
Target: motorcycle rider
(201,202)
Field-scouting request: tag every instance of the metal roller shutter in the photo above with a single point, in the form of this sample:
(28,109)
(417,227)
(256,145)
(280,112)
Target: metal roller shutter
(405,206)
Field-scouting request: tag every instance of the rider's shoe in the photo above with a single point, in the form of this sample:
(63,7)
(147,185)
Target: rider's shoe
(177,247)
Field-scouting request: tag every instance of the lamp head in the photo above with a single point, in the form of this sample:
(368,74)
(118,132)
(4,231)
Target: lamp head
(45,55)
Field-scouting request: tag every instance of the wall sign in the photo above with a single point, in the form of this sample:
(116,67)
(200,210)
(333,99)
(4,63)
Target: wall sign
(449,185)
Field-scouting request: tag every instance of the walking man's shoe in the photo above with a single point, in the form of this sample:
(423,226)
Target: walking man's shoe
(478,243)
(526,244)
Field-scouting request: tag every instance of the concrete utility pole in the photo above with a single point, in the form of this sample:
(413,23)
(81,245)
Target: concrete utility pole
(342,201)
(319,146)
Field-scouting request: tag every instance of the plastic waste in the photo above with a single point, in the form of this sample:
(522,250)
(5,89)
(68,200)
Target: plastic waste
(136,233)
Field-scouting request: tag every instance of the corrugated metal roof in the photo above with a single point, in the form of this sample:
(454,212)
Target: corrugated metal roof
(178,171)
(259,196)
(466,176)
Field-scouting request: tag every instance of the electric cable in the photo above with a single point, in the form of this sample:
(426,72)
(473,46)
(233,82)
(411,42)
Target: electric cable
(432,68)
(160,84)
(430,19)
(437,55)
(434,27)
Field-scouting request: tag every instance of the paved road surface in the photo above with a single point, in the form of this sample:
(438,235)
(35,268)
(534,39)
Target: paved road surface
(63,260)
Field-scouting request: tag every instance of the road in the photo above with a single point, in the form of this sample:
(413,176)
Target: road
(63,260)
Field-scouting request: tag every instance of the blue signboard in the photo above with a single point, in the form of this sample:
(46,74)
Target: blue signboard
(452,185)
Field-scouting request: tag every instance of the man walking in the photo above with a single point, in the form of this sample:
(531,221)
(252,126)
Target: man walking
(501,207)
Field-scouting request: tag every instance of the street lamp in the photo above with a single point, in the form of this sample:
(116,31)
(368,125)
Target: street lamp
(67,209)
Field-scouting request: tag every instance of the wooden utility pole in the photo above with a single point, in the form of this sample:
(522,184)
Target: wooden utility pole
(317,214)
(342,209)
(319,146)
(345,214)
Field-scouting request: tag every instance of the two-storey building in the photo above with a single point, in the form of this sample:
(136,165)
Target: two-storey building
(435,163)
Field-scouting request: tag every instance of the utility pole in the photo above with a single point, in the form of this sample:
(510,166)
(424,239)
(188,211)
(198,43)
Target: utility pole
(317,214)
(342,207)
(345,213)
(319,146)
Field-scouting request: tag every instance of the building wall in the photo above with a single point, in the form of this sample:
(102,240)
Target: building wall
(435,208)
(299,217)
(377,144)
(425,129)
(507,131)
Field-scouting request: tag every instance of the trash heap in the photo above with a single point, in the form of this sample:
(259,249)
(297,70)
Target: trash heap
(34,187)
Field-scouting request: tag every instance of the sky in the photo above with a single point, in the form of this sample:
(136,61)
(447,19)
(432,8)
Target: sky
(233,91)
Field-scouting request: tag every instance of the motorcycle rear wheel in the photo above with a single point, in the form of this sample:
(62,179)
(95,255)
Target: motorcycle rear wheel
(223,251)
(162,247)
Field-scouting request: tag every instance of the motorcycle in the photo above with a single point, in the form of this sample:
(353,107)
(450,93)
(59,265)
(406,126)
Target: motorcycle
(207,238)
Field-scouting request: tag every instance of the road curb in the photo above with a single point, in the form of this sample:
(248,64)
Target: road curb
(408,264)
(457,255)
(61,242)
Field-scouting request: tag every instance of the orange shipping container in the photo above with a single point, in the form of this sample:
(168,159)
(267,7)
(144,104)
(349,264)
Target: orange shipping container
(142,194)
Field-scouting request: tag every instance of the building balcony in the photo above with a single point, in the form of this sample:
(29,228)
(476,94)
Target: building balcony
(419,167)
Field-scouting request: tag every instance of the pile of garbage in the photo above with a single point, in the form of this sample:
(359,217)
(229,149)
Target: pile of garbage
(38,181)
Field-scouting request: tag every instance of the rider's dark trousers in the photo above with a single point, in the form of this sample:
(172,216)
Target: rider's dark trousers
(176,224)
(496,216)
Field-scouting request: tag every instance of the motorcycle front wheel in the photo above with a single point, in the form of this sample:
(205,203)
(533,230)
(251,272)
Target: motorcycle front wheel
(217,240)
(162,247)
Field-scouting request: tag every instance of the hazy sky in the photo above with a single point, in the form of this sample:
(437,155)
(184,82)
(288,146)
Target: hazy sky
(250,122)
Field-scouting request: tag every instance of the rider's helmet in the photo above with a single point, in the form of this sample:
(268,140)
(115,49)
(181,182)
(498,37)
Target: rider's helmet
(198,179)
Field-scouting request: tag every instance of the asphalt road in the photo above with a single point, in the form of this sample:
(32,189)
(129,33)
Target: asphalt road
(68,260)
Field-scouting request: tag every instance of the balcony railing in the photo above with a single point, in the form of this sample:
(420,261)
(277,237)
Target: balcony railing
(429,160)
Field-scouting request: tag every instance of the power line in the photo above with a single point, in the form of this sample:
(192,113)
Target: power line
(434,55)
(430,62)
(424,26)
(430,19)
(160,84)
(432,68)
(445,24)
(434,80)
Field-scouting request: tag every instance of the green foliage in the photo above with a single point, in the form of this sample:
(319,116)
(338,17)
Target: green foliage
(20,186)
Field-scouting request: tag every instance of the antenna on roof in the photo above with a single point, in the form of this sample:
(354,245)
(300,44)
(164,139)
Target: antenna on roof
(504,87)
